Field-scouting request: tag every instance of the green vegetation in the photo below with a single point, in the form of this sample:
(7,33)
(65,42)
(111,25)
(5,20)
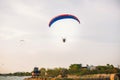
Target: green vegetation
(74,69)
(57,71)
(17,74)
(78,69)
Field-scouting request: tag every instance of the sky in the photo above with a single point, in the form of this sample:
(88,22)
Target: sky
(27,41)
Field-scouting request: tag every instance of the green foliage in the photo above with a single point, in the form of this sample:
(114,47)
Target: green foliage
(63,72)
(17,74)
(74,69)
(107,69)
(77,69)
(57,71)
(22,74)
(53,72)
(42,72)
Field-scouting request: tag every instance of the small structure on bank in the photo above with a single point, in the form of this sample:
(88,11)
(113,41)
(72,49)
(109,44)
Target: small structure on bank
(35,72)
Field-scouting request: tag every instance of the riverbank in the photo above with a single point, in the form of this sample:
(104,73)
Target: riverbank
(84,77)
(39,78)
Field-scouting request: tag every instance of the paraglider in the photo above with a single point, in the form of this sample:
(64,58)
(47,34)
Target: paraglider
(63,16)
(22,40)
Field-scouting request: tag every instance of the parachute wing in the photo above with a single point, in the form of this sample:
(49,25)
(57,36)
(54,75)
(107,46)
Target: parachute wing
(63,16)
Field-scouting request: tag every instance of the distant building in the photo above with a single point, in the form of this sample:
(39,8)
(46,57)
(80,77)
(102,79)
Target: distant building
(92,67)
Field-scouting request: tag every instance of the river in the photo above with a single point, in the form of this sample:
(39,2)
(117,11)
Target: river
(13,77)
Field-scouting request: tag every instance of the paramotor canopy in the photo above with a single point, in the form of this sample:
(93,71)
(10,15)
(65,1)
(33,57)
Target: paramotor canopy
(63,16)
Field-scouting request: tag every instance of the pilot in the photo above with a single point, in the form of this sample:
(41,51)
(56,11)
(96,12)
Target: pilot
(64,40)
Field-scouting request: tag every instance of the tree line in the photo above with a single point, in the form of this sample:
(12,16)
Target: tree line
(17,74)
(74,69)
(78,69)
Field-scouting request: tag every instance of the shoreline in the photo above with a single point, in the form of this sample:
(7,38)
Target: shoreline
(83,77)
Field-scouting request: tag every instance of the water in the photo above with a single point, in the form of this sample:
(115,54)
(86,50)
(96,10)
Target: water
(13,77)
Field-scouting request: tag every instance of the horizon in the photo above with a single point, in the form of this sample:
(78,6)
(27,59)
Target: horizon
(118,66)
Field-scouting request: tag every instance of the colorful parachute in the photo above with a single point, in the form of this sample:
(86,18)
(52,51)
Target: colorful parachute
(63,16)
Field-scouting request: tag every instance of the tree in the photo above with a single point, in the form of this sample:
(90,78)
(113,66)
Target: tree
(53,72)
(75,68)
(42,72)
(63,72)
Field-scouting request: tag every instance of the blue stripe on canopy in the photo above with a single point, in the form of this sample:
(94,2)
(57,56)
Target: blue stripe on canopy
(63,16)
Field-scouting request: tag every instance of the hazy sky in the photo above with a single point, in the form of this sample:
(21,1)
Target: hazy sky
(26,40)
